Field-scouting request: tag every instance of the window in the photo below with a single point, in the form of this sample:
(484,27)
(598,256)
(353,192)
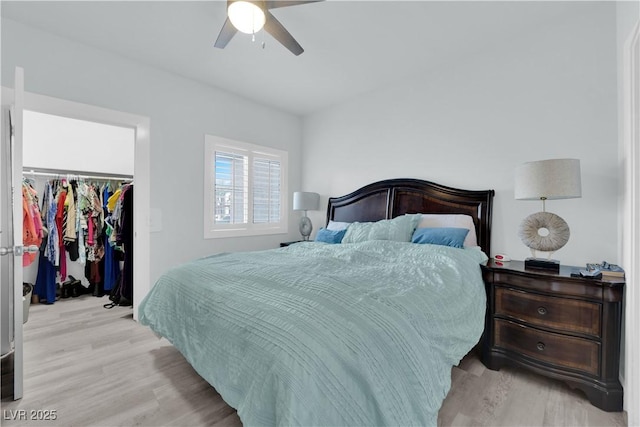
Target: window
(245,189)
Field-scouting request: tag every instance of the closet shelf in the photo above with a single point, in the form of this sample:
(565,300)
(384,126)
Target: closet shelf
(80,174)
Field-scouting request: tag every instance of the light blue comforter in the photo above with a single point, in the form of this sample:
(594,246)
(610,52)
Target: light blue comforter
(357,334)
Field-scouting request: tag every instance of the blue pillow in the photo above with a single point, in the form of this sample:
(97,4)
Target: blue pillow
(446,236)
(330,236)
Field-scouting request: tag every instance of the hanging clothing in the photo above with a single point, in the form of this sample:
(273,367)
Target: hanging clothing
(113,199)
(45,286)
(70,208)
(111,268)
(52,250)
(73,220)
(126,238)
(60,214)
(111,265)
(31,222)
(95,219)
(81,223)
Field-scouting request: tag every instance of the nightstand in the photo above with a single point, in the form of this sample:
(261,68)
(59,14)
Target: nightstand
(563,327)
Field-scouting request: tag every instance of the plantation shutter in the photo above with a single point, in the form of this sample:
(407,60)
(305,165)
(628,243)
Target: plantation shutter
(231,188)
(266,191)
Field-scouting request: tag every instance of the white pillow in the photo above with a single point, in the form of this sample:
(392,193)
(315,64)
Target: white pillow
(337,226)
(451,220)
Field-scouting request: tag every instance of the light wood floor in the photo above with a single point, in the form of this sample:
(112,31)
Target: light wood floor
(97,367)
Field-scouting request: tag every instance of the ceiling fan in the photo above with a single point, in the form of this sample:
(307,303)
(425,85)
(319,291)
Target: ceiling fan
(250,16)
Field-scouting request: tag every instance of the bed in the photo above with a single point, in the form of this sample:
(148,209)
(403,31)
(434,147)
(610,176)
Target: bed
(358,333)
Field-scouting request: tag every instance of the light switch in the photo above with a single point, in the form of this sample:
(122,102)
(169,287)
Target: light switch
(155,220)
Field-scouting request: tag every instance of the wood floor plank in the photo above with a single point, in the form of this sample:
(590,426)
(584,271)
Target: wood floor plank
(525,403)
(97,367)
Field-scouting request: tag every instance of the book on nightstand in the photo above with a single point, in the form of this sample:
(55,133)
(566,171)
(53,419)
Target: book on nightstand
(609,271)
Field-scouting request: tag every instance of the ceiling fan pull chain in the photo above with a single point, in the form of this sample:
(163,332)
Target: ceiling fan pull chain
(253,27)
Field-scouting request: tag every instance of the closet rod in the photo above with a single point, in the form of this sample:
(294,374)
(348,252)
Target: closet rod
(80,174)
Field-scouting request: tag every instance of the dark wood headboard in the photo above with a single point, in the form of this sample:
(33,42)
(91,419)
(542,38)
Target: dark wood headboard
(393,197)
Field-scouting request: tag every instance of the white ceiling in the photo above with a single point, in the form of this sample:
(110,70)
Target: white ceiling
(351,47)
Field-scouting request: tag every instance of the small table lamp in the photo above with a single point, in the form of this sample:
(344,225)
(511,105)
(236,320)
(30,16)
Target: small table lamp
(303,201)
(545,231)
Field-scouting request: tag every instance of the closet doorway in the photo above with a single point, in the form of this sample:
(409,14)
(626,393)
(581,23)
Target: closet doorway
(134,162)
(89,166)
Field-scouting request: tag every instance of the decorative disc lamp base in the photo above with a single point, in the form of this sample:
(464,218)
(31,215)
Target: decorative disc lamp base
(305,227)
(545,232)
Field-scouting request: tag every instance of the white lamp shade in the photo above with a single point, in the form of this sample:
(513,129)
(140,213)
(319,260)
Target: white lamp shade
(246,16)
(548,179)
(304,201)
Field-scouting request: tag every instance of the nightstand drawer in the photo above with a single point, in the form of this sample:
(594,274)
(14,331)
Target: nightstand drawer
(558,313)
(559,350)
(563,286)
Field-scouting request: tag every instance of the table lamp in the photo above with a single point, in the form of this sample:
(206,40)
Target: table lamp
(545,231)
(304,201)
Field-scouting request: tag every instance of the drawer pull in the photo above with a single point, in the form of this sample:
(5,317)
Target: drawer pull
(540,346)
(542,310)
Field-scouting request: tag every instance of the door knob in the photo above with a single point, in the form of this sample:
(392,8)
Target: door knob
(18,250)
(6,251)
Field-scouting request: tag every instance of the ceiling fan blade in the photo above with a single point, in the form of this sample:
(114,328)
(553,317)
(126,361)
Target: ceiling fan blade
(274,4)
(227,32)
(277,30)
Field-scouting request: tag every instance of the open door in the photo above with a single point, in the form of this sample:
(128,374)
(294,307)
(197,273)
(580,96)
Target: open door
(11,231)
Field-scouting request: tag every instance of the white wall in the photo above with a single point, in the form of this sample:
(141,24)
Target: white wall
(181,112)
(547,94)
(63,143)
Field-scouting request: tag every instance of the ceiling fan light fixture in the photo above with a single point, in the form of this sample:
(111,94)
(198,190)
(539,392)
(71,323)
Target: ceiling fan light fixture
(246,16)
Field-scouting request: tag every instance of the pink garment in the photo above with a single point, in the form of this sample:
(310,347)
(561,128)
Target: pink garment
(35,213)
(37,221)
(28,230)
(90,233)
